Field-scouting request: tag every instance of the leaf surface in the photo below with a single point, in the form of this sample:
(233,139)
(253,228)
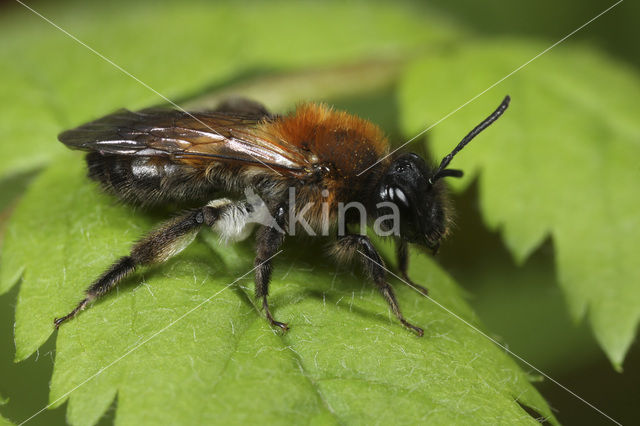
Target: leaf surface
(346,359)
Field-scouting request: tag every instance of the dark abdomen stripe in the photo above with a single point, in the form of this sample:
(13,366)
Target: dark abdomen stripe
(148,180)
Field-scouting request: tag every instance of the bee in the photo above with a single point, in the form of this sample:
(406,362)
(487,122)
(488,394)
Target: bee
(165,156)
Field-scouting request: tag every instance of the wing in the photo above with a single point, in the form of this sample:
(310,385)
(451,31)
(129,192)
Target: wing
(194,139)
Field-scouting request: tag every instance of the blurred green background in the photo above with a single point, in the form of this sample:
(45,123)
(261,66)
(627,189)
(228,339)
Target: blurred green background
(521,304)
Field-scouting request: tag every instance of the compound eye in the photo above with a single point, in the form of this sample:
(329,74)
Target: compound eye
(398,196)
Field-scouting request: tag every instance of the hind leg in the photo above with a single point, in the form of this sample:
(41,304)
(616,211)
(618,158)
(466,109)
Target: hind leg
(156,247)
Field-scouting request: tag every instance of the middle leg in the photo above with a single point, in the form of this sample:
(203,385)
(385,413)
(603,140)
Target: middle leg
(361,246)
(268,241)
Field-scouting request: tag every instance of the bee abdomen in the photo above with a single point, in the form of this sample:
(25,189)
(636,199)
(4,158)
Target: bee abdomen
(147,180)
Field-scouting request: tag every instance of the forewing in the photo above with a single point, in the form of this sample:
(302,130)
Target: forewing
(193,139)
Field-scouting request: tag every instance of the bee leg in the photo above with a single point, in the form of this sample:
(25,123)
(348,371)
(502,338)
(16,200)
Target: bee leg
(402,252)
(268,241)
(361,245)
(158,246)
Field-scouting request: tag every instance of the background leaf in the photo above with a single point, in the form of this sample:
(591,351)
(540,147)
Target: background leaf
(220,42)
(4,421)
(561,162)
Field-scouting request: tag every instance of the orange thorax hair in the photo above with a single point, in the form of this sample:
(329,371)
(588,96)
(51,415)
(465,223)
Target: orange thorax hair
(347,144)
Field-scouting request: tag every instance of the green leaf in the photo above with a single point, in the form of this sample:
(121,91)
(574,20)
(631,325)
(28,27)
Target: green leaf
(346,359)
(561,162)
(3,421)
(53,83)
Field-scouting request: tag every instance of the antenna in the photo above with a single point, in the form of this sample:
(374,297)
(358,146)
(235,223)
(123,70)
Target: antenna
(440,171)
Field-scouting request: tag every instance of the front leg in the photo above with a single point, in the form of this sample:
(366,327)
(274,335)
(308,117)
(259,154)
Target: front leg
(361,246)
(402,254)
(268,241)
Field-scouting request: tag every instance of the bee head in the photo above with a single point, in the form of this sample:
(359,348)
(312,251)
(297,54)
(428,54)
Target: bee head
(419,195)
(419,198)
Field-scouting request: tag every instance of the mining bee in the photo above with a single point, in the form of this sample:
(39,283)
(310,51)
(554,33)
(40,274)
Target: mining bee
(326,157)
